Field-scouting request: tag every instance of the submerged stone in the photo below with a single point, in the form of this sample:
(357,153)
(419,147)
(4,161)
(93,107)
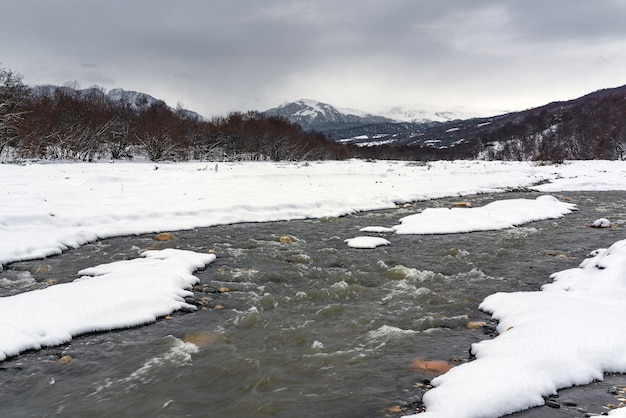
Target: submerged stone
(601,223)
(432,367)
(287,239)
(202,339)
(475,324)
(164,236)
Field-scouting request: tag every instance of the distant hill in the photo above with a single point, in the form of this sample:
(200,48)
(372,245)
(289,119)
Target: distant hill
(312,115)
(588,127)
(323,117)
(136,100)
(423,113)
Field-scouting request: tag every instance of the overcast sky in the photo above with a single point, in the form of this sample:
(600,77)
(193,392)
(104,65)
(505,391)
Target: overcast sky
(216,56)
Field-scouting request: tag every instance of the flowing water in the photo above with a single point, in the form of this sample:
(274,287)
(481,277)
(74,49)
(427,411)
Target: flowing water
(307,328)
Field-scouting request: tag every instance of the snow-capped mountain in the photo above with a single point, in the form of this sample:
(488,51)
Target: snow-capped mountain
(136,100)
(422,113)
(314,115)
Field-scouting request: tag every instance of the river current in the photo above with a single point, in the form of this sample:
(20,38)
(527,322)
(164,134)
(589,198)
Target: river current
(306,327)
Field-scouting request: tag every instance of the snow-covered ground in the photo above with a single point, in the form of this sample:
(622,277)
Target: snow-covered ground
(50,208)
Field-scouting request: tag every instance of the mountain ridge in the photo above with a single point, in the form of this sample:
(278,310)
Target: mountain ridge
(423,113)
(135,99)
(314,115)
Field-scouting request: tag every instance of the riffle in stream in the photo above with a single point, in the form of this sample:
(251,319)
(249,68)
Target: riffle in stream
(304,327)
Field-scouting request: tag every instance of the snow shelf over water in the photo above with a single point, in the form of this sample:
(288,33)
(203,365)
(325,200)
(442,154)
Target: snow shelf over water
(109,296)
(569,333)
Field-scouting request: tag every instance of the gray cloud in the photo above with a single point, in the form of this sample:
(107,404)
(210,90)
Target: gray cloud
(217,56)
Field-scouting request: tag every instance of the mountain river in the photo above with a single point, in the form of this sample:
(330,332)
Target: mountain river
(307,327)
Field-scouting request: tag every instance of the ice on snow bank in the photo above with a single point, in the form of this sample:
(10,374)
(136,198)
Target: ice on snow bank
(496,215)
(377,229)
(570,333)
(109,296)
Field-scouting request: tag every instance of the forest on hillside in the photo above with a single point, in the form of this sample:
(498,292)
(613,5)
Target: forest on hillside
(590,127)
(61,124)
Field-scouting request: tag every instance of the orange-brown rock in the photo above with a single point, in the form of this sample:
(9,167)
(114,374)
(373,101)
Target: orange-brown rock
(43,269)
(432,367)
(164,236)
(394,409)
(287,239)
(475,324)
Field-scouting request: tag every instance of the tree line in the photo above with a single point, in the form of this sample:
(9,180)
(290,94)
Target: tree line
(68,124)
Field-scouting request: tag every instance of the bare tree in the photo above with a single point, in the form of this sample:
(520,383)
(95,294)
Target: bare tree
(158,146)
(12,97)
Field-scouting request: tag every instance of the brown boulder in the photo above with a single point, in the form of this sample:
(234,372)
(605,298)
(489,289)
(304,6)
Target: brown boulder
(164,236)
(431,367)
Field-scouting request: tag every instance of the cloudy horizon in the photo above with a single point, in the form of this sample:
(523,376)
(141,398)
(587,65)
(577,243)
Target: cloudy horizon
(214,57)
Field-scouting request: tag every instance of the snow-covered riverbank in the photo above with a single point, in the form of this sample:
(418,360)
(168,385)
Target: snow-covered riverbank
(48,208)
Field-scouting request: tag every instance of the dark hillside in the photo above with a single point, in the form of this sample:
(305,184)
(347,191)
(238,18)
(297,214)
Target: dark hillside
(589,127)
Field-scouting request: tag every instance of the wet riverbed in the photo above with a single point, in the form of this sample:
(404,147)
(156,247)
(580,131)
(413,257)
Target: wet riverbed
(303,327)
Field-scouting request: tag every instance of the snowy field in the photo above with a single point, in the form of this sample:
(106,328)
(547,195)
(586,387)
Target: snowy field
(50,208)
